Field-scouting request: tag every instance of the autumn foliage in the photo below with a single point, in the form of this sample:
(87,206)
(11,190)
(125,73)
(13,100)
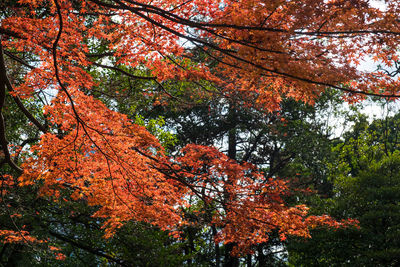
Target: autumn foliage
(265,51)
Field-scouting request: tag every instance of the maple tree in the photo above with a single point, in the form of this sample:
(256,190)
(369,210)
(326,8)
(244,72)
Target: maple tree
(265,51)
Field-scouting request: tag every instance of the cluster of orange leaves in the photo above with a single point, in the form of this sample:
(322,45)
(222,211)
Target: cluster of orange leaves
(247,207)
(268,50)
(10,236)
(22,236)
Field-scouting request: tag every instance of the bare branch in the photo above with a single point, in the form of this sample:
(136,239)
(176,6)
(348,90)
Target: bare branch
(123,72)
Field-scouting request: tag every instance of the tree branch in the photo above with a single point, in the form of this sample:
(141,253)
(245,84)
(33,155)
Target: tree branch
(18,59)
(10,33)
(123,72)
(3,139)
(88,248)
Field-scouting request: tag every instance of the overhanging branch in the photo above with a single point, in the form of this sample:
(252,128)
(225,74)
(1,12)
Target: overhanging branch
(87,248)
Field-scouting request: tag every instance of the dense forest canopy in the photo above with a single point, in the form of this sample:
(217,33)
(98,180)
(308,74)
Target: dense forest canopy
(195,132)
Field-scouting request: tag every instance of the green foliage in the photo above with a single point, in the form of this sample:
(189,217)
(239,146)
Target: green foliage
(155,127)
(366,178)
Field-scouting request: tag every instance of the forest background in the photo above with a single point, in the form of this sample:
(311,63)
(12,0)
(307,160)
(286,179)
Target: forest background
(199,133)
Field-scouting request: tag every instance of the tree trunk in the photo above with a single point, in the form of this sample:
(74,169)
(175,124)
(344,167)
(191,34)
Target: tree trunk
(231,261)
